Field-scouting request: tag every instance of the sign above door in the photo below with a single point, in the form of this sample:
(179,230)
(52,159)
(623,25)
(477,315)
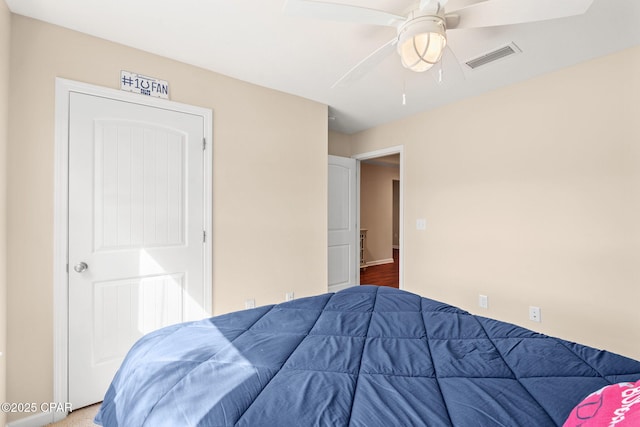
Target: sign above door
(145,85)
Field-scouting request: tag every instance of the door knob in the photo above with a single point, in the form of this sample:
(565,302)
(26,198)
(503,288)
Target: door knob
(80,267)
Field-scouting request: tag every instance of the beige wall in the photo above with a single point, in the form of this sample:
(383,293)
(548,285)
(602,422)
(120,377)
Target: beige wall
(376,210)
(270,185)
(5,34)
(339,144)
(532,197)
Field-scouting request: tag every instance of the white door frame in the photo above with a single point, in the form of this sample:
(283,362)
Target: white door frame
(398,149)
(61,201)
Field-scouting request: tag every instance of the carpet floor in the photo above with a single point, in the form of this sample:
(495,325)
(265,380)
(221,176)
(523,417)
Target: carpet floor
(79,418)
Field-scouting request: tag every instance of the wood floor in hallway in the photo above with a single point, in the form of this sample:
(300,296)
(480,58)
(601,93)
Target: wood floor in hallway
(383,275)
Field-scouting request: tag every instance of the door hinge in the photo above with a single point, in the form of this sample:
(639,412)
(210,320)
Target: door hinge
(204,236)
(204,144)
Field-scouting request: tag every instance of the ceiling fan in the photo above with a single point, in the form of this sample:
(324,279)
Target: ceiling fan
(421,34)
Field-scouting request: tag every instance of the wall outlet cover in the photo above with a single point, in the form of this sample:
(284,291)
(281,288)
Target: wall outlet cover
(483,301)
(534,314)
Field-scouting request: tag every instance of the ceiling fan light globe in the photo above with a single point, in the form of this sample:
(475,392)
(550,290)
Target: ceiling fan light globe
(421,42)
(422,51)
(418,67)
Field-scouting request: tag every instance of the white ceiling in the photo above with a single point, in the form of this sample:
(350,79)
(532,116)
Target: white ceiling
(252,40)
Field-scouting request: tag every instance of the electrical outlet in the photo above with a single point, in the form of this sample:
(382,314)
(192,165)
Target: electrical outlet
(421,224)
(483,301)
(534,314)
(288,296)
(250,303)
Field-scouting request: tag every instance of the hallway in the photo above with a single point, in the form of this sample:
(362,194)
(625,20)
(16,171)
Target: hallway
(383,275)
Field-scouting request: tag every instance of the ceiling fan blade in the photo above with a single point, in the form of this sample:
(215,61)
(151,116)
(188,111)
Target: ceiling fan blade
(460,4)
(506,12)
(425,3)
(341,12)
(367,64)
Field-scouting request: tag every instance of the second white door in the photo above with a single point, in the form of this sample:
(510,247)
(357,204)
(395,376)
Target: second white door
(343,258)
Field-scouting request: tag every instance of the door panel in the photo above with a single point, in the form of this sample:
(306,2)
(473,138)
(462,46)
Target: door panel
(340,265)
(342,219)
(140,185)
(142,305)
(136,218)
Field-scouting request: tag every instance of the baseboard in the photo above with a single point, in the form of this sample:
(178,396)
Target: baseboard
(380,262)
(36,420)
(395,247)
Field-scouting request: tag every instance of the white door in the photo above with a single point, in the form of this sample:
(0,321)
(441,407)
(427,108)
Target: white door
(136,221)
(343,255)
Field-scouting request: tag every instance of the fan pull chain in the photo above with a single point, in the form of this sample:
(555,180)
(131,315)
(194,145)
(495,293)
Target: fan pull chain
(440,73)
(404,95)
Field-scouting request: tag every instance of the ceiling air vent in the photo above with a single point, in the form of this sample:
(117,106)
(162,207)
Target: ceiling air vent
(492,56)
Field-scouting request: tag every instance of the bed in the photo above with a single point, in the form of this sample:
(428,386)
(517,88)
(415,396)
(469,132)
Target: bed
(365,356)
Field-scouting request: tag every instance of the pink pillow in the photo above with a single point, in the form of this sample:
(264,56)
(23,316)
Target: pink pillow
(616,405)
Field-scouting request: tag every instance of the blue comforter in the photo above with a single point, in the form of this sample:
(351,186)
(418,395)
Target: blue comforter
(365,356)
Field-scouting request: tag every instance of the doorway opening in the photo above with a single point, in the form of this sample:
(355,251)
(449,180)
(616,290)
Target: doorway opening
(380,217)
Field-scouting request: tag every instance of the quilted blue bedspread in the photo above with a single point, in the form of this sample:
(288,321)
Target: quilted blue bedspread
(365,356)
